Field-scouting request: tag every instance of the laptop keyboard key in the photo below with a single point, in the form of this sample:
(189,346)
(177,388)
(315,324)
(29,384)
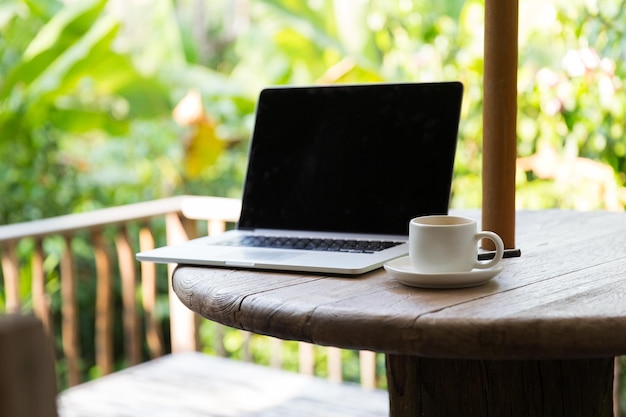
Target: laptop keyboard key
(331,245)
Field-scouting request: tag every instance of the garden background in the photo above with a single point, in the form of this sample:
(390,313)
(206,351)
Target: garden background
(104,103)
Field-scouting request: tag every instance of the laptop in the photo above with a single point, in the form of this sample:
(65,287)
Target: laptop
(334,175)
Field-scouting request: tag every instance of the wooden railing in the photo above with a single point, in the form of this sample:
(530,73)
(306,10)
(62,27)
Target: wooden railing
(127,229)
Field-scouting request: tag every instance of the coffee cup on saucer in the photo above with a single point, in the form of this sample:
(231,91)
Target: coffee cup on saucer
(443,253)
(440,244)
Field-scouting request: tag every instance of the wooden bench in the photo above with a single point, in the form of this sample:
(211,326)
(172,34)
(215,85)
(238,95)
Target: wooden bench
(182,385)
(194,384)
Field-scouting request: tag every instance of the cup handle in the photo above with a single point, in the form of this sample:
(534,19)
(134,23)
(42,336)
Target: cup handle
(499,249)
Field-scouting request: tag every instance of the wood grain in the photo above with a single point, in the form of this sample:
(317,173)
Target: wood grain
(542,332)
(549,388)
(562,298)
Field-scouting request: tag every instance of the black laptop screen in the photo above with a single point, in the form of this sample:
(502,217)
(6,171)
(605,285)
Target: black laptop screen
(351,158)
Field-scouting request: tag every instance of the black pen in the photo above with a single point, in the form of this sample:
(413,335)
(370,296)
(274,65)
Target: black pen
(508,253)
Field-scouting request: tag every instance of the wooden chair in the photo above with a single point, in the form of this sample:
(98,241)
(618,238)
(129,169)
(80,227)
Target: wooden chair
(27,377)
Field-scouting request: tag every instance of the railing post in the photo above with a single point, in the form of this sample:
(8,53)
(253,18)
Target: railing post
(41,304)
(306,356)
(335,371)
(154,335)
(182,320)
(69,313)
(104,304)
(132,330)
(10,270)
(276,353)
(367,361)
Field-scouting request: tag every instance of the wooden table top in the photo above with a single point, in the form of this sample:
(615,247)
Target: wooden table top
(565,297)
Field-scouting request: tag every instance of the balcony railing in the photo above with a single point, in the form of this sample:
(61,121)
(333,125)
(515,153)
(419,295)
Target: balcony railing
(131,295)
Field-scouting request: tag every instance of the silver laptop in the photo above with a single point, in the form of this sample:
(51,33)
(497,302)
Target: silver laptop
(334,175)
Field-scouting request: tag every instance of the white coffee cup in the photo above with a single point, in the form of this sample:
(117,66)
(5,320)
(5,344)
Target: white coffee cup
(448,244)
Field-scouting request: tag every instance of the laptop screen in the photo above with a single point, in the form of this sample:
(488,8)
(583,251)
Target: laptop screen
(351,158)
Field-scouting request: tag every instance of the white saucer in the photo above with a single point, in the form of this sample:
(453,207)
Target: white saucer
(402,270)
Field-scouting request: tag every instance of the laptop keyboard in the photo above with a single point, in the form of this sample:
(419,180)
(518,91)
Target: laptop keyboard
(328,245)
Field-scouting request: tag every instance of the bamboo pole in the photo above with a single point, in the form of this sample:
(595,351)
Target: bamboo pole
(335,370)
(69,316)
(132,325)
(10,269)
(183,327)
(500,119)
(367,362)
(306,358)
(104,305)
(41,303)
(154,334)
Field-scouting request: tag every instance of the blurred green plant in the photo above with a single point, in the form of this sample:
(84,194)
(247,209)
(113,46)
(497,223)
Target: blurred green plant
(84,123)
(569,83)
(88,88)
(572,106)
(61,78)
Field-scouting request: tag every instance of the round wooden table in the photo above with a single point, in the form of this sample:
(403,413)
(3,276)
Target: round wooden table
(537,340)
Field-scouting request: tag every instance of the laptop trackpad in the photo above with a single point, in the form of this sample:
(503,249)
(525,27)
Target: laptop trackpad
(252,256)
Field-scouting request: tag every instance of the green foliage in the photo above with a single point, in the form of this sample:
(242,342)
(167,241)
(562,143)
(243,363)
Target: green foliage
(61,77)
(572,103)
(87,92)
(85,123)
(577,114)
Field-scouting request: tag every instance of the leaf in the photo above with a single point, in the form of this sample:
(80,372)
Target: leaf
(297,16)
(203,146)
(62,29)
(205,80)
(78,120)
(61,32)
(203,149)
(45,9)
(8,10)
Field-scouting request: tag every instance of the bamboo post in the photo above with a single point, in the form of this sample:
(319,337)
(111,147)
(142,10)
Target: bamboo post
(306,358)
(104,305)
(10,269)
(69,316)
(132,325)
(154,334)
(335,373)
(367,361)
(500,119)
(41,302)
(183,327)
